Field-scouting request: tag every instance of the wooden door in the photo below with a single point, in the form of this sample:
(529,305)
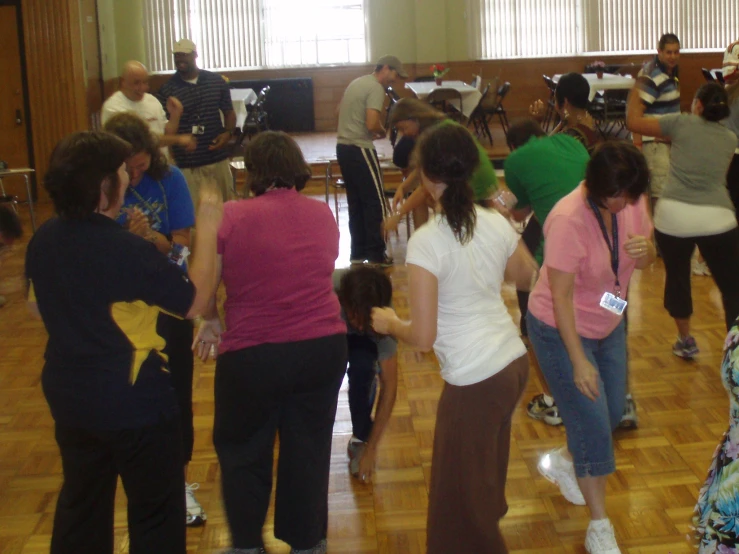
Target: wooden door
(91,53)
(13,117)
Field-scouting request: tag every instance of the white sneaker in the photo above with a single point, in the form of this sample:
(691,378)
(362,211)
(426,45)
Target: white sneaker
(600,538)
(559,471)
(194,516)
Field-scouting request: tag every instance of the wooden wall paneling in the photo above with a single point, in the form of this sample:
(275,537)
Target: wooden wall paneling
(56,84)
(525,76)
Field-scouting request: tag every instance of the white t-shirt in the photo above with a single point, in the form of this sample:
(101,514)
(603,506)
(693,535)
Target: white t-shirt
(475,336)
(149,109)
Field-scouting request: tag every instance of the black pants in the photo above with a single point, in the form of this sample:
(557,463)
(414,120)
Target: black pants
(365,194)
(179,335)
(362,389)
(148,462)
(721,253)
(532,237)
(290,388)
(732,182)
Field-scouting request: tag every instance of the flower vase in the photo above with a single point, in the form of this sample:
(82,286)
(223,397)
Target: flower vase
(599,74)
(438,81)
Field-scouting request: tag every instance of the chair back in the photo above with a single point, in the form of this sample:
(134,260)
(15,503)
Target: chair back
(707,75)
(549,82)
(502,91)
(394,96)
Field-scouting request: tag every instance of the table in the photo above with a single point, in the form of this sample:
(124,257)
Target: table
(470,95)
(608,82)
(25,172)
(242,97)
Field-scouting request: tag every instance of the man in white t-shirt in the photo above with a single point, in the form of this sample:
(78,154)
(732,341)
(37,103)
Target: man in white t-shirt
(133,97)
(730,67)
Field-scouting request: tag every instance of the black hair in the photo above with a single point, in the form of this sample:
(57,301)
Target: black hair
(668,38)
(81,165)
(616,167)
(574,88)
(274,159)
(715,101)
(521,131)
(361,289)
(448,154)
(135,131)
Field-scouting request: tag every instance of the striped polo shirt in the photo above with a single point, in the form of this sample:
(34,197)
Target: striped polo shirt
(203,103)
(659,90)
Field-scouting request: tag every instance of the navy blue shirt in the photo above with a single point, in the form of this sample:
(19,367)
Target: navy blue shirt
(203,103)
(100,289)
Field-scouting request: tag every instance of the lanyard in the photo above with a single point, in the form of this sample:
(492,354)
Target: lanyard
(612,248)
(146,203)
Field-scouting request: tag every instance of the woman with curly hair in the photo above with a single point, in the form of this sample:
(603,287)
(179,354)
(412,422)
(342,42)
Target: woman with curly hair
(158,207)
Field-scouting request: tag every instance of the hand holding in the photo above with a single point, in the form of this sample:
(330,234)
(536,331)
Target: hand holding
(220,141)
(382,320)
(391,223)
(636,246)
(188,142)
(174,106)
(207,339)
(586,379)
(138,223)
(366,465)
(537,109)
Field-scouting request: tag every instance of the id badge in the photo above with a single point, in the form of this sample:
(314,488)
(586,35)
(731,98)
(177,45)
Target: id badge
(613,303)
(198,129)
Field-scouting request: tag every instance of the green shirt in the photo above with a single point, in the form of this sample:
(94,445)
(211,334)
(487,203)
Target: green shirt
(483,181)
(544,170)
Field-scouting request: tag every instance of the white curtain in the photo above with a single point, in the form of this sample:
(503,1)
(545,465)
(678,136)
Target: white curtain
(237,34)
(531,28)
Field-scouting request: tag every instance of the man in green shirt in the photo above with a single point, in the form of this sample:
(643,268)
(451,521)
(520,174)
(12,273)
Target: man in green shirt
(539,172)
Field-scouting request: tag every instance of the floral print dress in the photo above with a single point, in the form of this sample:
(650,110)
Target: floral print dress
(716,517)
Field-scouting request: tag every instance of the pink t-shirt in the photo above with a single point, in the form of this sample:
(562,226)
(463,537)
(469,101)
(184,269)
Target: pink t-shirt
(278,252)
(574,243)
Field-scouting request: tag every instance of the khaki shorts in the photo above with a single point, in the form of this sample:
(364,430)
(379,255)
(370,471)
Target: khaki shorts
(657,155)
(220,172)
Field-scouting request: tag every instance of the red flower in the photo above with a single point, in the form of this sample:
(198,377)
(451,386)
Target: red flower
(440,67)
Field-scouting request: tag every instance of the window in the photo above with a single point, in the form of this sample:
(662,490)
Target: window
(239,34)
(531,28)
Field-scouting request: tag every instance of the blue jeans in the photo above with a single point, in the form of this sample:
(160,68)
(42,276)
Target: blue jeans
(589,423)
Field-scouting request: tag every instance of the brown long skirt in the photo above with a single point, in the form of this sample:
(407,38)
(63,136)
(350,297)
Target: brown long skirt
(470,463)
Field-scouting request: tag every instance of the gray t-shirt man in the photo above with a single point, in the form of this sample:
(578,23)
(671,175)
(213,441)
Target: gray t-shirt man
(362,94)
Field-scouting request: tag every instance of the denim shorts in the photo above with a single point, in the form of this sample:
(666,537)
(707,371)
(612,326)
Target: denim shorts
(589,423)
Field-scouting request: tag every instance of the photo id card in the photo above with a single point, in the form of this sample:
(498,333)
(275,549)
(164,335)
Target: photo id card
(612,303)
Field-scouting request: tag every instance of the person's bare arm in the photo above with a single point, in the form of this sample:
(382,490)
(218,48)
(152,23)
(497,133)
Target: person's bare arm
(373,121)
(562,286)
(420,330)
(521,268)
(385,404)
(635,120)
(203,267)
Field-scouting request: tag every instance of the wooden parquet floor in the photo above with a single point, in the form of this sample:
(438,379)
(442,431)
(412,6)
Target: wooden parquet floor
(682,407)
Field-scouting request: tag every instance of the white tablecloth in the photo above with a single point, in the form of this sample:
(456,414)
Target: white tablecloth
(470,95)
(241,97)
(608,82)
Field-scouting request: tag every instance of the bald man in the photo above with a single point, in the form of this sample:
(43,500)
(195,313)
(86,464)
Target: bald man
(133,97)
